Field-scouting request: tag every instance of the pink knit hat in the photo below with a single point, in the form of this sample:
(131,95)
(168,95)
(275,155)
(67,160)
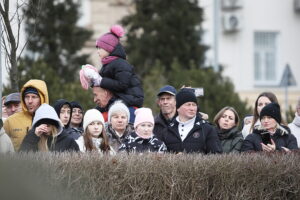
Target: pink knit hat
(109,41)
(143,115)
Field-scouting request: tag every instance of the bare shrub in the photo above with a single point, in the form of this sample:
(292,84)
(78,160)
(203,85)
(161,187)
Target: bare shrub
(167,176)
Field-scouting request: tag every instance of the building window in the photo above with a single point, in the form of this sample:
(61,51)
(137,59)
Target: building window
(265,58)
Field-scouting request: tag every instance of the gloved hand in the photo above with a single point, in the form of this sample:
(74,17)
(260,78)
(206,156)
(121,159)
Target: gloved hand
(89,76)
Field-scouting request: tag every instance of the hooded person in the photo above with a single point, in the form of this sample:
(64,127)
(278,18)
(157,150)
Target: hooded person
(272,135)
(33,94)
(6,145)
(116,74)
(295,125)
(143,139)
(47,133)
(64,111)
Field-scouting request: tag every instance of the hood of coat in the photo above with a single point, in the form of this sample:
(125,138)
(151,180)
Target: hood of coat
(46,111)
(296,120)
(119,51)
(58,105)
(41,88)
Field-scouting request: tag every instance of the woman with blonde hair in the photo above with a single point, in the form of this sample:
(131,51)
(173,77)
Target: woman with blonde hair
(272,135)
(47,133)
(227,122)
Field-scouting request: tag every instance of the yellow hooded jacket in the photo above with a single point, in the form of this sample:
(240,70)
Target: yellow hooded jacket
(17,125)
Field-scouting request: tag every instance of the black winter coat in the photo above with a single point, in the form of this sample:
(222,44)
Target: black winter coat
(161,125)
(118,76)
(202,138)
(282,138)
(63,142)
(134,143)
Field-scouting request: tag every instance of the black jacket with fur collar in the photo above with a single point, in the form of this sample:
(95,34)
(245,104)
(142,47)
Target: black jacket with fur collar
(282,138)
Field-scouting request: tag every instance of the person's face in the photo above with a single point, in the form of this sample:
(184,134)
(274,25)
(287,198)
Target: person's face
(119,121)
(187,110)
(65,114)
(248,120)
(95,128)
(261,103)
(144,130)
(227,120)
(102,53)
(100,96)
(13,107)
(268,123)
(32,102)
(77,116)
(167,103)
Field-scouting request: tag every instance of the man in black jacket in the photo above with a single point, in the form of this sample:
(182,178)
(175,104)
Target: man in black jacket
(189,132)
(167,104)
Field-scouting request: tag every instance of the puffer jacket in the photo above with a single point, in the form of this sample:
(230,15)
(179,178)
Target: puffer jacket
(136,144)
(118,77)
(231,140)
(17,125)
(282,138)
(62,141)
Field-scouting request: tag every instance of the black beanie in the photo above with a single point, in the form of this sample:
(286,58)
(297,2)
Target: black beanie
(185,95)
(271,110)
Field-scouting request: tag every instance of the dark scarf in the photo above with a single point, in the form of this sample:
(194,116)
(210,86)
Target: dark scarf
(228,133)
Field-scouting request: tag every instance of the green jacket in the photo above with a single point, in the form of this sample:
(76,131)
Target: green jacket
(231,140)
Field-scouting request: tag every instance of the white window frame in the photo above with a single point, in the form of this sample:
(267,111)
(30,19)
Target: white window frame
(262,52)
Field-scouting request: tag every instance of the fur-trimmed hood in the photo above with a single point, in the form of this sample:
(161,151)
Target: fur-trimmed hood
(280,129)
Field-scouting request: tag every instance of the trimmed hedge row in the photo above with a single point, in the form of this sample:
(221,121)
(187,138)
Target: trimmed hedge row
(151,176)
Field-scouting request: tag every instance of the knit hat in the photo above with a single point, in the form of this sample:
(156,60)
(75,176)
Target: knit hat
(118,106)
(143,115)
(91,116)
(185,95)
(109,41)
(75,104)
(30,90)
(271,110)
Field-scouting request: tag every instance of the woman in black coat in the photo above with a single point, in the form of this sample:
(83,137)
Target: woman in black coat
(271,135)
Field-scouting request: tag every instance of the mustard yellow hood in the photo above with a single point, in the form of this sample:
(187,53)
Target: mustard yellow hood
(40,86)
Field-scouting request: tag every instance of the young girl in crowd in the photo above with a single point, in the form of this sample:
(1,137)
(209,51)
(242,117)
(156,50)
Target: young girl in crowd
(118,126)
(116,74)
(94,137)
(143,139)
(271,134)
(227,121)
(262,100)
(47,133)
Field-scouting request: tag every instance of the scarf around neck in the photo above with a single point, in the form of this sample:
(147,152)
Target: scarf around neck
(108,59)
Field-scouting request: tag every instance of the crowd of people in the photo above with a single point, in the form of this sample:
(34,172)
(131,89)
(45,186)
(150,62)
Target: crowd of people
(118,122)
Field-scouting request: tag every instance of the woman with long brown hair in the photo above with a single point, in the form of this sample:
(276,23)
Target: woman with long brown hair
(94,136)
